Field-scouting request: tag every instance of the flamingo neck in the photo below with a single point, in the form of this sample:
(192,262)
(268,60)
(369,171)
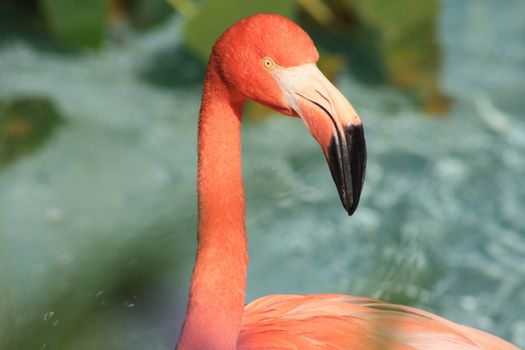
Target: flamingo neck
(218,284)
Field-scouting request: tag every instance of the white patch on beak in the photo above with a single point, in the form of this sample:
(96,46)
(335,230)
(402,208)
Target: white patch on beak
(293,81)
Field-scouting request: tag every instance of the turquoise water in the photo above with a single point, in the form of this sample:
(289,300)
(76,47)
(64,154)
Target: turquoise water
(97,227)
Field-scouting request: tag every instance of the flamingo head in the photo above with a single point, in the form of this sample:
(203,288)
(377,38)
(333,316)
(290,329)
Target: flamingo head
(271,60)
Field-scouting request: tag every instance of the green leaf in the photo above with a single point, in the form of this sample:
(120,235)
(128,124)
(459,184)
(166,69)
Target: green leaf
(407,41)
(216,15)
(25,124)
(77,23)
(145,13)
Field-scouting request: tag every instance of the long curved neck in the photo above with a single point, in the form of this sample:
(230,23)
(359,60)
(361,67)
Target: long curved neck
(218,284)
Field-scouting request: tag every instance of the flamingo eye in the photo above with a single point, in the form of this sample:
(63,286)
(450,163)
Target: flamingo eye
(268,63)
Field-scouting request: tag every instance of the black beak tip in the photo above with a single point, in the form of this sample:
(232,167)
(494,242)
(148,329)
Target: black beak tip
(350,209)
(351,201)
(347,162)
(356,147)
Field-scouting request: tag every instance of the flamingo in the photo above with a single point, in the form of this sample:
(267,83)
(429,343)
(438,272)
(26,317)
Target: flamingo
(271,60)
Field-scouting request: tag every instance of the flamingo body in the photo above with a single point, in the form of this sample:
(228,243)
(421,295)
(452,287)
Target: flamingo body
(337,322)
(269,59)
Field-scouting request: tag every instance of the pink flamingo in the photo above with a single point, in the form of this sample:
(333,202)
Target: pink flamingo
(269,59)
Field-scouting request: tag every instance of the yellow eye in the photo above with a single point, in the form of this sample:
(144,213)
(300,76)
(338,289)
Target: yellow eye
(268,63)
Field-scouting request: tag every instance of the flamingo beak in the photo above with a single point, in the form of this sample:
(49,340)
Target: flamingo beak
(333,122)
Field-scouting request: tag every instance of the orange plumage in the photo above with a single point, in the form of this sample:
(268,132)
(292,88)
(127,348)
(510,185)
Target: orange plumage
(337,322)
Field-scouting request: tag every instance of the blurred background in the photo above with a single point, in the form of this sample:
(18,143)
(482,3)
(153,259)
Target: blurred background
(98,111)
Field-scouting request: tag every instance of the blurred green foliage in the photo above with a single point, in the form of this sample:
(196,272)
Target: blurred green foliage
(392,42)
(408,42)
(25,124)
(144,13)
(78,23)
